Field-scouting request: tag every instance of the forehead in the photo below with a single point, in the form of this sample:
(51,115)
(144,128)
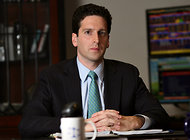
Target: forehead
(93,22)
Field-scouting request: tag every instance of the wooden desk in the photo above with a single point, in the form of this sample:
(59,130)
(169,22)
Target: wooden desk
(177,135)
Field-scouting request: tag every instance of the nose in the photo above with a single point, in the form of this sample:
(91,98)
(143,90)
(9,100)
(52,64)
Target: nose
(96,38)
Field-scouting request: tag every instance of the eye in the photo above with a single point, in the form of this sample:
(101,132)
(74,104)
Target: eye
(102,33)
(87,32)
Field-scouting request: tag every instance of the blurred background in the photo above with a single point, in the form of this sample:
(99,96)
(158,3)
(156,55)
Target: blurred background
(37,33)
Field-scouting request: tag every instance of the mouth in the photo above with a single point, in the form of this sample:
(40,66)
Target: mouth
(94,49)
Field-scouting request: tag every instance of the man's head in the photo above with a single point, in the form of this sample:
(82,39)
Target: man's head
(91,28)
(90,10)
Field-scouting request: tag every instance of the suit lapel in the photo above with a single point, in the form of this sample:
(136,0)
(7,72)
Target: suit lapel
(73,88)
(112,82)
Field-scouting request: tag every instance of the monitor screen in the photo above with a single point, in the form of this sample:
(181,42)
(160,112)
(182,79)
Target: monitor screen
(168,31)
(170,78)
(175,84)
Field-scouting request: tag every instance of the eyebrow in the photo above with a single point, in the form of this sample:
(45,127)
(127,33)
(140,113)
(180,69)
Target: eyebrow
(93,29)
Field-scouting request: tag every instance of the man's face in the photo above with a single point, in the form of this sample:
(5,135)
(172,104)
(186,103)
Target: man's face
(92,40)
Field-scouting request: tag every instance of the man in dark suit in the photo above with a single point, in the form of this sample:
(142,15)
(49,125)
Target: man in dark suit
(125,101)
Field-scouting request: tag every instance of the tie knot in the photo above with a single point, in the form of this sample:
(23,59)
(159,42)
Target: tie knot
(92,75)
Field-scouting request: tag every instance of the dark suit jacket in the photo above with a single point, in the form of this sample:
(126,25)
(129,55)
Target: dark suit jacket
(60,84)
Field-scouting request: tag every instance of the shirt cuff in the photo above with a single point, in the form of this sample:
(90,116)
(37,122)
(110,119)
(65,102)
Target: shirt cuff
(147,122)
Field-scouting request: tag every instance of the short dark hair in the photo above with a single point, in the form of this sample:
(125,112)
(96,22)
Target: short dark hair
(89,10)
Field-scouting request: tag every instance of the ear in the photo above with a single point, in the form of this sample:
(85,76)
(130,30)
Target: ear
(108,42)
(74,39)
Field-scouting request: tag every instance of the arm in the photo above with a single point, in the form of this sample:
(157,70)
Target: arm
(134,98)
(148,105)
(38,117)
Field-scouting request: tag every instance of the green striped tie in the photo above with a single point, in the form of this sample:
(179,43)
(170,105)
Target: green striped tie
(94,103)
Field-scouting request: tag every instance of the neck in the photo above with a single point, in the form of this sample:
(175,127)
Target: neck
(91,65)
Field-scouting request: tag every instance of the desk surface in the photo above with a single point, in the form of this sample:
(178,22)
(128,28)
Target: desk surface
(176,135)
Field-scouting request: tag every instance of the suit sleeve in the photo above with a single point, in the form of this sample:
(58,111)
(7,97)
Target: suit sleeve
(149,106)
(38,119)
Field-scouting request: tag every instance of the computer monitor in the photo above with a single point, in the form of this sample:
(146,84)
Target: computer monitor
(170,78)
(168,31)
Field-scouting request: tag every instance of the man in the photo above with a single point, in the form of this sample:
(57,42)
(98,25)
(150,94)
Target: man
(126,104)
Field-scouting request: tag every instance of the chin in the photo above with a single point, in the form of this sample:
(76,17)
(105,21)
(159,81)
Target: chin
(97,60)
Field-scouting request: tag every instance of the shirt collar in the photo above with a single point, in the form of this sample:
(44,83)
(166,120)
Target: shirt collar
(83,71)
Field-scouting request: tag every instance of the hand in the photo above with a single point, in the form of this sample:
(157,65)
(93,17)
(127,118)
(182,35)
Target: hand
(131,122)
(105,120)
(108,120)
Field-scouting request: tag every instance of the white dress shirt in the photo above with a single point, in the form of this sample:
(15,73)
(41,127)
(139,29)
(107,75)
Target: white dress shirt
(85,83)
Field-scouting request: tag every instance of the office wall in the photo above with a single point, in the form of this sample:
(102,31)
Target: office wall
(128,38)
